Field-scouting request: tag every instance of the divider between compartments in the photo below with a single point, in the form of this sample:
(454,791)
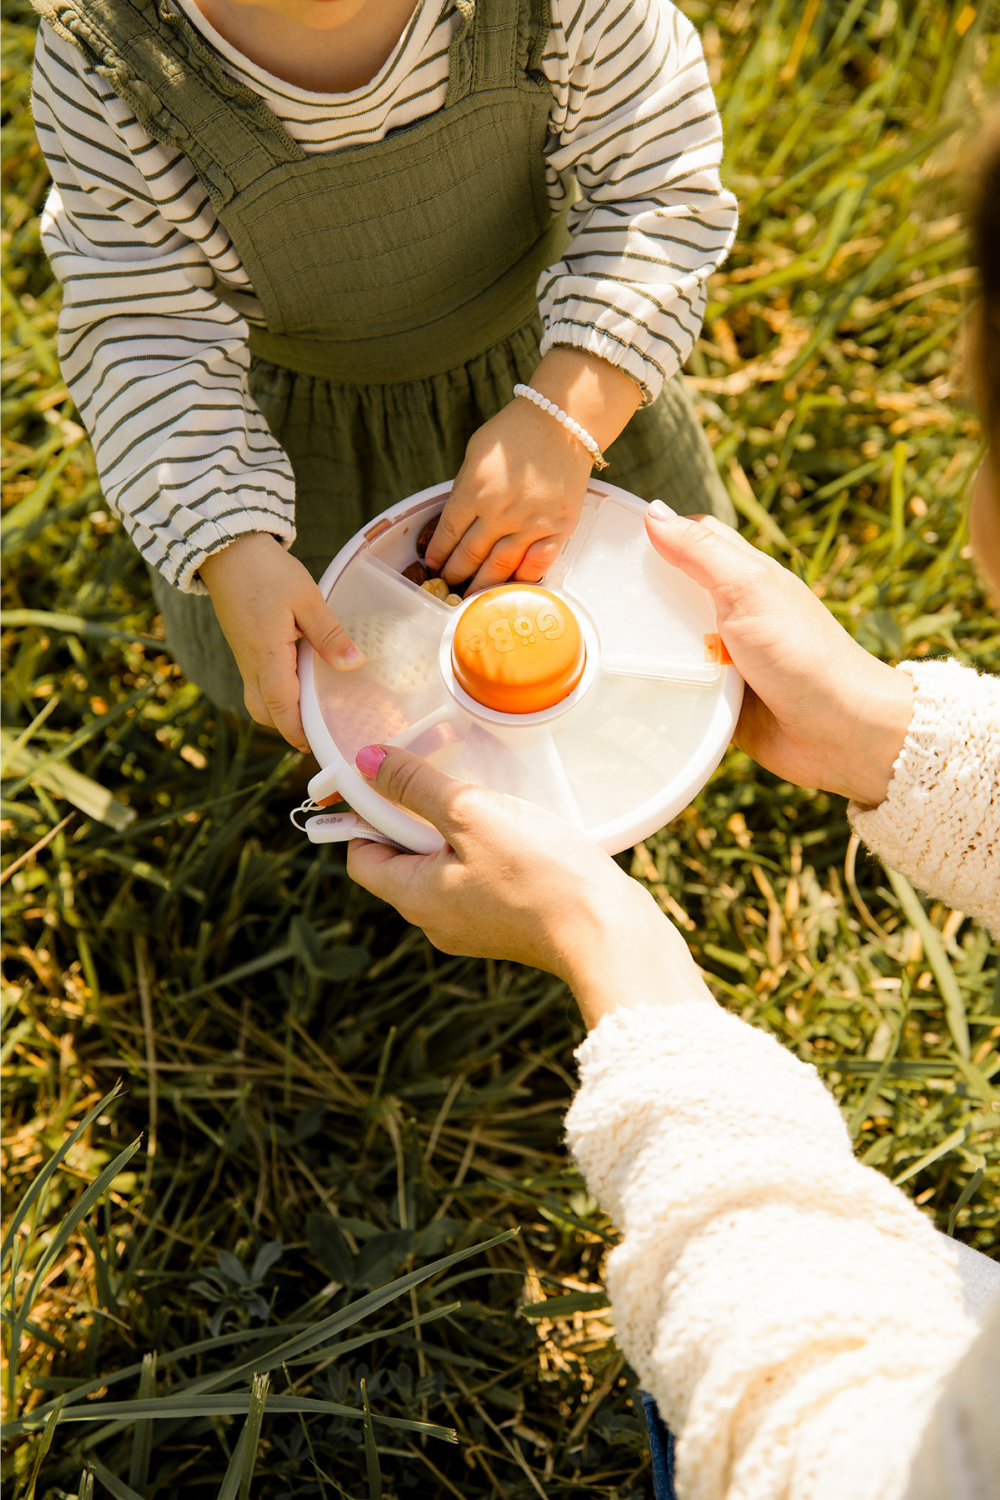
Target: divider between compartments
(447,713)
(406,588)
(704,675)
(565,803)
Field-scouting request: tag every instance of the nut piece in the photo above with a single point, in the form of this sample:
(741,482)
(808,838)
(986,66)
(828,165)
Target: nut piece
(416,573)
(437,587)
(453,600)
(425,534)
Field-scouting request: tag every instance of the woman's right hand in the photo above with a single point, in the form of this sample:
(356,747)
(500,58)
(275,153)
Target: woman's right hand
(818,709)
(266,601)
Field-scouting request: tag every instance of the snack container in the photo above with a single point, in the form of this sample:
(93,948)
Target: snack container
(604,695)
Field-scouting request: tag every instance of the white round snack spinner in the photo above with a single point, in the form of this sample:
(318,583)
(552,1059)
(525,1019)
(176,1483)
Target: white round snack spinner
(639,702)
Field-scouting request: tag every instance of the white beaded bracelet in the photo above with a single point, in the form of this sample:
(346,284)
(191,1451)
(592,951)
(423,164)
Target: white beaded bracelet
(580,433)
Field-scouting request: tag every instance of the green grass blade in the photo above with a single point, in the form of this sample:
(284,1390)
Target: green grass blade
(371,1450)
(172,1408)
(51,1166)
(142,1441)
(42,1448)
(229,1488)
(949,1143)
(79,1211)
(83,736)
(860,1113)
(327,1327)
(937,957)
(968,1192)
(114,1486)
(251,1432)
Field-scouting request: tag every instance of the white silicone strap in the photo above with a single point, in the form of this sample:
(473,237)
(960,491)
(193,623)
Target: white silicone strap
(339,827)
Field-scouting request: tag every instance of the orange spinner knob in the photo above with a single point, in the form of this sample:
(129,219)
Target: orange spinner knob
(518,649)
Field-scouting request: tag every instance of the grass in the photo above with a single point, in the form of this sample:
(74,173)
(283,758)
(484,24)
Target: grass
(314,1101)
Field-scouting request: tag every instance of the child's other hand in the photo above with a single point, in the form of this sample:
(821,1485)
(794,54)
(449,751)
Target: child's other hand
(265,601)
(818,709)
(519,493)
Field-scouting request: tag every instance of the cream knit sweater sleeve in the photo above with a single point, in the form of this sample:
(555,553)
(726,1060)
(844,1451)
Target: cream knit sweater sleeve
(792,1313)
(766,1285)
(940,822)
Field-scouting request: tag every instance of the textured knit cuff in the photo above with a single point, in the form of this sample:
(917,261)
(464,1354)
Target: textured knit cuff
(939,824)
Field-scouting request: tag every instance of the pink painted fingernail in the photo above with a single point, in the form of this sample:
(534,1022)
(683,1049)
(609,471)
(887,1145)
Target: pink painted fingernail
(661,511)
(352,657)
(369,759)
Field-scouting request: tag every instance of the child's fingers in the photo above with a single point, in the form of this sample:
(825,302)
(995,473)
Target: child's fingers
(475,547)
(256,709)
(278,687)
(325,633)
(453,523)
(538,559)
(501,562)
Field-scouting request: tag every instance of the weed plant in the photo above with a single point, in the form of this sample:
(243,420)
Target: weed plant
(270,1147)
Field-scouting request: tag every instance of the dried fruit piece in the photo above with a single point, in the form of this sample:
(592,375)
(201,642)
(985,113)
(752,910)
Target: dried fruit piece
(416,573)
(425,534)
(437,587)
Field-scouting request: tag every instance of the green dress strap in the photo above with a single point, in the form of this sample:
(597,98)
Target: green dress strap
(388,261)
(158,63)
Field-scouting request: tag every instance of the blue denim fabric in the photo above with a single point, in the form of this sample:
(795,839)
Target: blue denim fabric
(661,1447)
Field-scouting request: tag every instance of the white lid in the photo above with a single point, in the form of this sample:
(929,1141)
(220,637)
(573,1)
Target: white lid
(619,757)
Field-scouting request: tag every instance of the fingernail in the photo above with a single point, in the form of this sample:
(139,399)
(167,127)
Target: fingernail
(369,759)
(661,511)
(352,657)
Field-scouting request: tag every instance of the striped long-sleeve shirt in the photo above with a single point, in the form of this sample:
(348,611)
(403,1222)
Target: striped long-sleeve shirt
(157,363)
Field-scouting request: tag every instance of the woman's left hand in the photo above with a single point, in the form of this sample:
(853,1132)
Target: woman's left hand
(515,882)
(519,493)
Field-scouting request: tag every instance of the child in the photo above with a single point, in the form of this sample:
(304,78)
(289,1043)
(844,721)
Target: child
(308,247)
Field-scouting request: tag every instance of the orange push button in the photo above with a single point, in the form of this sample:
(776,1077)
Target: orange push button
(518,649)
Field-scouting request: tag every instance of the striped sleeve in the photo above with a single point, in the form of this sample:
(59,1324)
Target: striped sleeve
(157,364)
(634,120)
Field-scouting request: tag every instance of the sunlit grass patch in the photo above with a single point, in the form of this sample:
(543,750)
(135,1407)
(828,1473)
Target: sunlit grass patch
(304,1071)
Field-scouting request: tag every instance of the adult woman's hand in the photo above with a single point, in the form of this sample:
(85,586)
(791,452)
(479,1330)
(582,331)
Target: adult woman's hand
(514,882)
(818,709)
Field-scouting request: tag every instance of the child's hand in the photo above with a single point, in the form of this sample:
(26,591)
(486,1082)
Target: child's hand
(517,498)
(515,882)
(519,493)
(265,601)
(818,709)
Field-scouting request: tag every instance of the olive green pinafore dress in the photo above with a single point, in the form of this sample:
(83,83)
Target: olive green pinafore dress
(396,279)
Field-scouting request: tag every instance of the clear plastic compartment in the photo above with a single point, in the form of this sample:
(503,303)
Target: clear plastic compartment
(396,545)
(629,739)
(398,626)
(652,619)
